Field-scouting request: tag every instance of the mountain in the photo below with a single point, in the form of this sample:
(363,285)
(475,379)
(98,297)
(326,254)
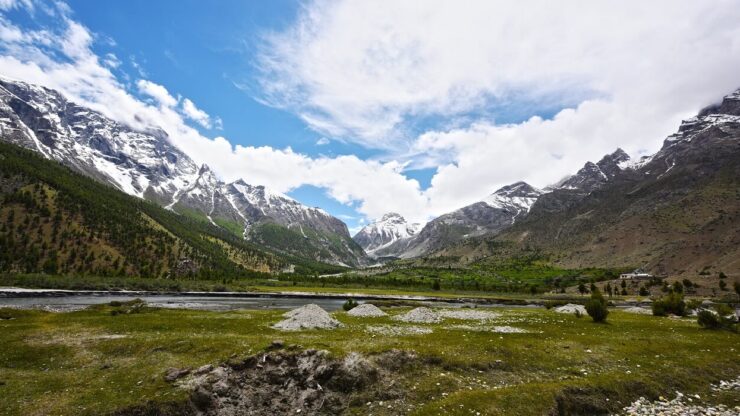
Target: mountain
(676,212)
(496,212)
(56,221)
(594,175)
(145,164)
(389,236)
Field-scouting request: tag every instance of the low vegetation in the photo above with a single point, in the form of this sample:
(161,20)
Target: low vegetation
(98,361)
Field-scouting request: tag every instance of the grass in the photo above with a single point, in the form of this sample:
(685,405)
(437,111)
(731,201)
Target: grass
(94,362)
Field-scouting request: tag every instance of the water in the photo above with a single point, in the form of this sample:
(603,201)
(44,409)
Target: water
(211,303)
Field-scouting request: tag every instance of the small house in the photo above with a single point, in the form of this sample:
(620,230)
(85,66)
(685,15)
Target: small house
(637,274)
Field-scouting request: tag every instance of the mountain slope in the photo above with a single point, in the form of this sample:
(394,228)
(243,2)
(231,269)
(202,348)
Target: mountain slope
(495,213)
(56,221)
(388,236)
(677,212)
(145,164)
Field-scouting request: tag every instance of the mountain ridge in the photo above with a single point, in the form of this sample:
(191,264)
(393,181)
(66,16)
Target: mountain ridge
(147,165)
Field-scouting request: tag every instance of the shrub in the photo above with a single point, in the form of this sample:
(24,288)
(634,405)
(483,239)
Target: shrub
(671,303)
(708,320)
(644,291)
(435,284)
(549,304)
(596,307)
(349,304)
(722,318)
(722,285)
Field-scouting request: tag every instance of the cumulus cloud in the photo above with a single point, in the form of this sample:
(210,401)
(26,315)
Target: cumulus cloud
(15,4)
(158,92)
(83,77)
(376,73)
(196,114)
(624,74)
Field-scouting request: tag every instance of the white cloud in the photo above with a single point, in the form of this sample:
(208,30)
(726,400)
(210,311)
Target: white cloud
(196,114)
(372,72)
(16,4)
(158,92)
(366,70)
(322,141)
(84,78)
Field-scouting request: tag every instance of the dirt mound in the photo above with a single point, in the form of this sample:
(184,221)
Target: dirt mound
(306,382)
(571,308)
(309,316)
(420,315)
(468,314)
(366,310)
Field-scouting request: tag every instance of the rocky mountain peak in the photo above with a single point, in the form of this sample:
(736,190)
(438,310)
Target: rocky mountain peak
(392,217)
(593,175)
(146,164)
(390,230)
(518,189)
(730,105)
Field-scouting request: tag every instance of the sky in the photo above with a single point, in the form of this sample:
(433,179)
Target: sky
(362,108)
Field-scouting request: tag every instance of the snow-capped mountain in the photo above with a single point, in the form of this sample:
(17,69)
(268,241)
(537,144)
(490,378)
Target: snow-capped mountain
(673,213)
(593,175)
(495,213)
(387,236)
(147,165)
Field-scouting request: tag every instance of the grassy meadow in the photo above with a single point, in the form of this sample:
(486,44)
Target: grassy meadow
(99,361)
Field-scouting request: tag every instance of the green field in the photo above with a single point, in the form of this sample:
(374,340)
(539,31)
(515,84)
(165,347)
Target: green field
(96,362)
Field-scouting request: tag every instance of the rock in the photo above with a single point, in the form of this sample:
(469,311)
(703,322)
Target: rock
(572,308)
(276,345)
(203,369)
(173,374)
(283,381)
(201,398)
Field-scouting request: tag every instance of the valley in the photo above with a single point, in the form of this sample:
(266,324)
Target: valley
(135,281)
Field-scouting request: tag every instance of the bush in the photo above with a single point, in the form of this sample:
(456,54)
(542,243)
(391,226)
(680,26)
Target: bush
(722,318)
(549,304)
(672,303)
(435,284)
(349,304)
(644,291)
(708,320)
(596,307)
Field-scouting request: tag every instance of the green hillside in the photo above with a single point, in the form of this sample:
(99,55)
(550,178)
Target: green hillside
(55,221)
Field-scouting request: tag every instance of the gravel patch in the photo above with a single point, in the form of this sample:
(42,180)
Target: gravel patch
(571,308)
(727,385)
(366,310)
(497,329)
(638,310)
(398,330)
(419,315)
(309,316)
(677,407)
(468,314)
(48,308)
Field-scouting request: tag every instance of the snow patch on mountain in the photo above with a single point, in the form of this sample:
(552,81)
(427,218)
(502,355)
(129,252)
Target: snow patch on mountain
(385,232)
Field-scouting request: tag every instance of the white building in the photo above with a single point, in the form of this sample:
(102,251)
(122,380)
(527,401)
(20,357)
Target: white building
(637,274)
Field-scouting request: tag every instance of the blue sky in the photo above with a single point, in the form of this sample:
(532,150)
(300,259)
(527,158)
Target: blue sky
(363,108)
